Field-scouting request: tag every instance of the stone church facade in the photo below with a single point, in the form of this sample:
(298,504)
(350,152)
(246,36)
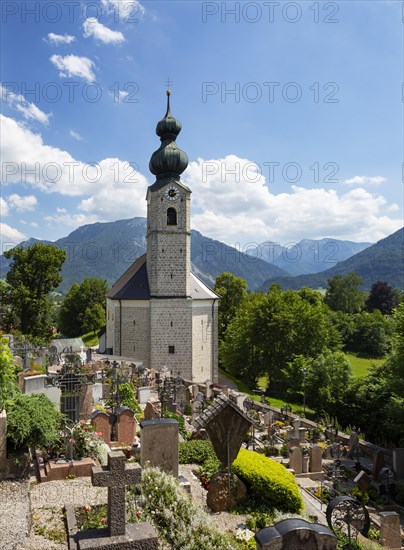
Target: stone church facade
(158,311)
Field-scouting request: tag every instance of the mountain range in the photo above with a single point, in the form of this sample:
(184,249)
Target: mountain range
(308,255)
(383,261)
(106,250)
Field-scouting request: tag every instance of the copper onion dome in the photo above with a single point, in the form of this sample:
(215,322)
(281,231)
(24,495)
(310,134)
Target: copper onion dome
(169,160)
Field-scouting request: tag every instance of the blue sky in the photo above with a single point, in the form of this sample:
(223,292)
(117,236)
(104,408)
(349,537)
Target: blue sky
(291,113)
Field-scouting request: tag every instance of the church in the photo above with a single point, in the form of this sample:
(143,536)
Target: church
(158,311)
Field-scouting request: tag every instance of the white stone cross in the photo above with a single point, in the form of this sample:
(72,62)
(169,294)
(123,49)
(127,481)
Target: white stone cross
(116,476)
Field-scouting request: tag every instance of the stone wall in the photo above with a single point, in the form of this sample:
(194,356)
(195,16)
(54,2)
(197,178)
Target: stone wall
(168,246)
(135,330)
(171,325)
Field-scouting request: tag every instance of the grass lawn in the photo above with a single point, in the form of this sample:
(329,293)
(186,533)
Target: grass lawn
(360,365)
(262,383)
(90,339)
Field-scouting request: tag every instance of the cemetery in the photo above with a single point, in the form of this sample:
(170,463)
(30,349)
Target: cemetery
(158,460)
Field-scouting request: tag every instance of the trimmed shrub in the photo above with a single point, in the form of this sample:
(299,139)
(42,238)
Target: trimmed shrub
(180,523)
(196,452)
(269,482)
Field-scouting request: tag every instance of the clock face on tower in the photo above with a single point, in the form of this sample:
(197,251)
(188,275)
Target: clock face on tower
(172,193)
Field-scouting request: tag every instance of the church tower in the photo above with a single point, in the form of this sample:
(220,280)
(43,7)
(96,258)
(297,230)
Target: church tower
(158,311)
(168,216)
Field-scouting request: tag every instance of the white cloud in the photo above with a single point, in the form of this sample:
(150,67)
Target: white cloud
(73,65)
(127,11)
(31,224)
(92,27)
(75,135)
(4,207)
(22,204)
(110,190)
(239,207)
(58,39)
(29,110)
(11,235)
(365,180)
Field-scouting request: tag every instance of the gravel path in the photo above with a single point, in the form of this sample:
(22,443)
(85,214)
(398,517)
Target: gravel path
(14,514)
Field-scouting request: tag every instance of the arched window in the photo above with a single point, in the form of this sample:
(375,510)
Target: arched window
(171,216)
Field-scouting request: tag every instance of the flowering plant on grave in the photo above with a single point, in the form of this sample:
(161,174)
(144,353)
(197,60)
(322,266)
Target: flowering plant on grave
(87,441)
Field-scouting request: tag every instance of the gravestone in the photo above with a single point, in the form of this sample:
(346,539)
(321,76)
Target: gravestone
(125,426)
(218,499)
(296,460)
(143,395)
(398,463)
(315,459)
(390,531)
(267,419)
(86,401)
(100,421)
(152,410)
(302,435)
(296,534)
(226,426)
(208,390)
(159,444)
(378,463)
(119,535)
(292,442)
(305,464)
(363,481)
(353,443)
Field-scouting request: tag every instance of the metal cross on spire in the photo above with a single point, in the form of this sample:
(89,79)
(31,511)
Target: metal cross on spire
(168,83)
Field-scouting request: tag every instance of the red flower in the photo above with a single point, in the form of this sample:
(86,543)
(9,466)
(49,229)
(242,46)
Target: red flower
(138,514)
(102,520)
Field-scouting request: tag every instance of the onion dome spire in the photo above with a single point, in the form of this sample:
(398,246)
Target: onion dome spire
(169,161)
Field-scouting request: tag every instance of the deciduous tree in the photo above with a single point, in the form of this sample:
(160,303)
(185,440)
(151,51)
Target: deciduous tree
(343,293)
(232,291)
(79,299)
(33,274)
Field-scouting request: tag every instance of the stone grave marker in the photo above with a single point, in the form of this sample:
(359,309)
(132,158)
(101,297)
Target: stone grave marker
(363,481)
(398,463)
(119,535)
(292,442)
(125,426)
(353,443)
(296,460)
(159,444)
(100,421)
(315,461)
(390,531)
(143,394)
(296,534)
(208,390)
(152,410)
(378,463)
(302,435)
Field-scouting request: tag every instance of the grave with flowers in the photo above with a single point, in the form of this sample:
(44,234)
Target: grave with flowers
(107,527)
(73,454)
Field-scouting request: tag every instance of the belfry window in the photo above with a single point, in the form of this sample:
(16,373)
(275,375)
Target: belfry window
(171,216)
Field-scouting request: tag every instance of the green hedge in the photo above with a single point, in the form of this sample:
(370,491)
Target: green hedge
(269,482)
(196,452)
